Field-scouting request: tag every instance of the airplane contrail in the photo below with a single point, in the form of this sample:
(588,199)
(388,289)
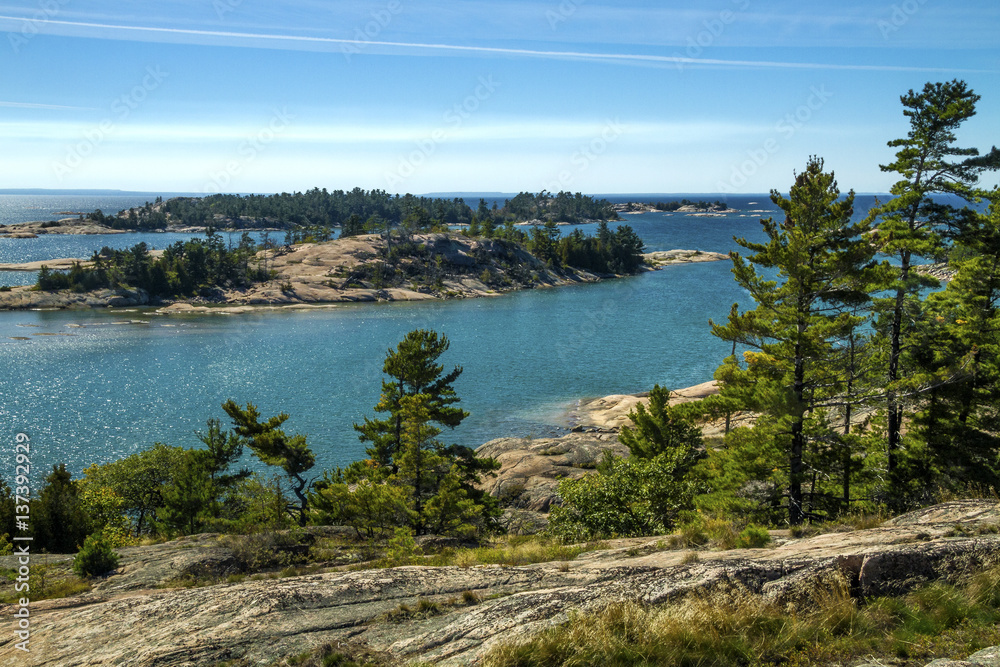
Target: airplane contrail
(32,105)
(625,58)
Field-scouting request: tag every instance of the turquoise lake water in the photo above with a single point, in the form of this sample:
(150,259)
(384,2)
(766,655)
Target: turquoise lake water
(110,383)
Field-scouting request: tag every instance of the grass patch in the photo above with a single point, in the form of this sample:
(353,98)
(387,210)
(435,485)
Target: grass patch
(935,621)
(511,551)
(47,583)
(516,550)
(425,608)
(339,654)
(843,524)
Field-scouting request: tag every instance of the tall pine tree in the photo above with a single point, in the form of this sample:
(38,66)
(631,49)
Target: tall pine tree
(910,224)
(817,254)
(953,438)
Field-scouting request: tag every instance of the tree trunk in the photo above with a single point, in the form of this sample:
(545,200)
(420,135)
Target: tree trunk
(795,511)
(893,409)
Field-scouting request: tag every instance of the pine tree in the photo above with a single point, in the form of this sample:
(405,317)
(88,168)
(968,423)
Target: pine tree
(659,429)
(439,479)
(61,524)
(956,352)
(818,255)
(223,450)
(189,498)
(353,226)
(272,446)
(413,370)
(909,225)
(421,465)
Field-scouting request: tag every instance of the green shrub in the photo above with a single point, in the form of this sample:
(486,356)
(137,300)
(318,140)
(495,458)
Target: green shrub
(628,498)
(753,537)
(95,558)
(402,548)
(261,551)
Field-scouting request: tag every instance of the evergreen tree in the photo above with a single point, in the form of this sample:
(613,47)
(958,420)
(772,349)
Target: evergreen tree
(660,429)
(488,225)
(272,446)
(910,224)
(438,479)
(223,450)
(956,352)
(353,226)
(818,255)
(189,498)
(60,522)
(420,462)
(413,370)
(628,249)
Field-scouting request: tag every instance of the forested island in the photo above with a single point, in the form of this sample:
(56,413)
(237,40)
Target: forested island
(317,212)
(831,500)
(418,259)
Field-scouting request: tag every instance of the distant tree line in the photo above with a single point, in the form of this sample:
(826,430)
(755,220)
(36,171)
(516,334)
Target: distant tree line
(149,216)
(546,207)
(701,204)
(609,252)
(315,212)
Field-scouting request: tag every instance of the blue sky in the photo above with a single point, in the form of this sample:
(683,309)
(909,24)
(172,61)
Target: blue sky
(431,96)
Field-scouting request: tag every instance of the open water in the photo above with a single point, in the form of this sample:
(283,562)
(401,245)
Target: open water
(90,387)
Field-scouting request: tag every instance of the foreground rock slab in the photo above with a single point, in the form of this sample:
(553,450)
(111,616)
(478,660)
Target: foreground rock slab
(262,621)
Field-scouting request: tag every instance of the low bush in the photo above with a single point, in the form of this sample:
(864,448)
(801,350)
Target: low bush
(753,537)
(95,558)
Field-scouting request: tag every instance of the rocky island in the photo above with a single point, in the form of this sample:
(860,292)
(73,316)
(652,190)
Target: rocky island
(685,206)
(351,269)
